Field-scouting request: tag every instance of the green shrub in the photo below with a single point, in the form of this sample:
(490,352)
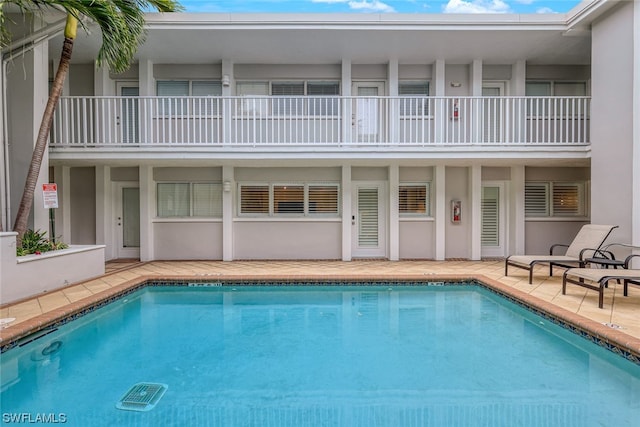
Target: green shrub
(36,242)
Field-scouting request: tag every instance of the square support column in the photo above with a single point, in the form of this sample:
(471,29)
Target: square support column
(147,203)
(346,213)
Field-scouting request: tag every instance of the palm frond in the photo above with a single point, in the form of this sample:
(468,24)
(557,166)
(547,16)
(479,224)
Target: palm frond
(121,23)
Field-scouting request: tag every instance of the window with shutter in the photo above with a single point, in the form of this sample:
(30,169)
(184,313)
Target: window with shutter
(293,104)
(288,199)
(173,90)
(567,199)
(302,199)
(324,101)
(254,199)
(414,100)
(413,199)
(554,199)
(536,197)
(208,107)
(323,199)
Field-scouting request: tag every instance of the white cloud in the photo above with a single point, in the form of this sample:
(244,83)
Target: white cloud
(362,5)
(525,1)
(476,6)
(371,6)
(545,10)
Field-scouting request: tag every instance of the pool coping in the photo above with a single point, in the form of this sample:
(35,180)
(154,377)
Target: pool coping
(613,340)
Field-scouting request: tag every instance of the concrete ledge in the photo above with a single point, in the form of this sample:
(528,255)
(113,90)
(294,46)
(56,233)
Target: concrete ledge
(32,275)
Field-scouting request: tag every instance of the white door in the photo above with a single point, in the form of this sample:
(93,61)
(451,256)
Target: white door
(128,113)
(367,109)
(493,219)
(368,220)
(492,113)
(127,220)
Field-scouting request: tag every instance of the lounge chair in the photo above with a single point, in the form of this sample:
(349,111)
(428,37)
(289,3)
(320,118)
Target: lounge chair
(586,243)
(600,277)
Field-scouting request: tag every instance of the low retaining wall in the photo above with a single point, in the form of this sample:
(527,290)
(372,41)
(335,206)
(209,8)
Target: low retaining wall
(32,275)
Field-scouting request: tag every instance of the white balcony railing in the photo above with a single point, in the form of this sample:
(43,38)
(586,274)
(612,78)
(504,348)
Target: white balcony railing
(319,121)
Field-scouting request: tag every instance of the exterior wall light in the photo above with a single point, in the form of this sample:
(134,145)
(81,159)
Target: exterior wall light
(226,186)
(226,81)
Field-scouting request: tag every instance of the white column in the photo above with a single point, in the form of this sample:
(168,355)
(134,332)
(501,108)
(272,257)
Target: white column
(62,177)
(517,197)
(228,189)
(346,212)
(394,107)
(476,77)
(228,106)
(40,98)
(475,211)
(476,106)
(146,82)
(440,114)
(102,83)
(104,210)
(518,78)
(394,213)
(346,102)
(440,211)
(147,199)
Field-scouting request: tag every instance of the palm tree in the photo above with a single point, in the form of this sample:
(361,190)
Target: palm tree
(121,23)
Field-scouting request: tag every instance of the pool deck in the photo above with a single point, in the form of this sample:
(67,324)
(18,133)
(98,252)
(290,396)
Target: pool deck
(618,322)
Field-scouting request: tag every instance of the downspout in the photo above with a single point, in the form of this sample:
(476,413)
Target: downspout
(11,52)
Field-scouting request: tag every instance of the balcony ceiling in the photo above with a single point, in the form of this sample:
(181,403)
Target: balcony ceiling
(364,39)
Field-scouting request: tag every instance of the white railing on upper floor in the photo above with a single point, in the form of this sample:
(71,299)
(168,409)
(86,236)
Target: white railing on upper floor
(319,121)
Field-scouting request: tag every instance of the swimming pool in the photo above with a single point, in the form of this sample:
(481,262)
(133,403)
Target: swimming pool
(391,355)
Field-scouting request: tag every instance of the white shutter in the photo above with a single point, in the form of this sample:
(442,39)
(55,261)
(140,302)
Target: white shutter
(368,218)
(323,199)
(490,216)
(536,196)
(413,199)
(414,101)
(254,199)
(293,104)
(567,199)
(288,199)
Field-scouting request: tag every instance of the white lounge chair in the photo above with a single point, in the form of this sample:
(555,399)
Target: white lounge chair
(599,278)
(587,242)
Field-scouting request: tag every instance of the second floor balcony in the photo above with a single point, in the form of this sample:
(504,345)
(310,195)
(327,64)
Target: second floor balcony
(338,123)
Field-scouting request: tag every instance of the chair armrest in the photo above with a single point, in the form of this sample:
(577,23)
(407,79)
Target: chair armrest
(627,260)
(556,246)
(598,253)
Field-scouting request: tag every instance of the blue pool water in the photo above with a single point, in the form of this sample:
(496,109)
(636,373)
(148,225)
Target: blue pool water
(320,356)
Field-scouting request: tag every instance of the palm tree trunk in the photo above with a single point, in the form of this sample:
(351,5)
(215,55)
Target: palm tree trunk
(26,203)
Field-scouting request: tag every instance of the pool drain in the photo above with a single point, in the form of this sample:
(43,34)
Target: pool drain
(142,397)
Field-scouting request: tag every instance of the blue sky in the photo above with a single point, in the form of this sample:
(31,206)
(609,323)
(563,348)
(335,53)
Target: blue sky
(381,6)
